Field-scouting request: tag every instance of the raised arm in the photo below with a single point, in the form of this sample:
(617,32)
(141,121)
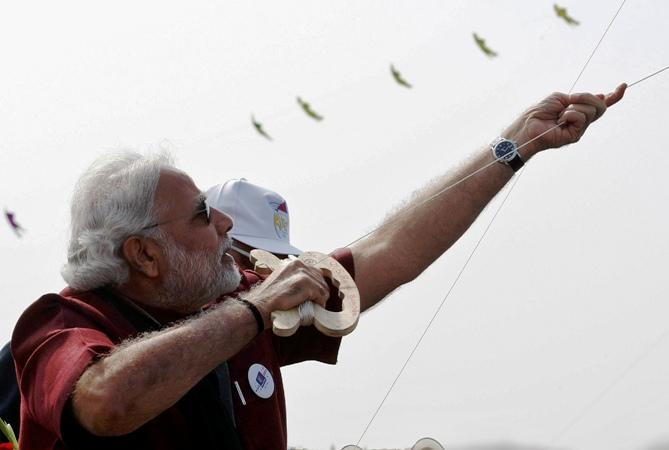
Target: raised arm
(418,233)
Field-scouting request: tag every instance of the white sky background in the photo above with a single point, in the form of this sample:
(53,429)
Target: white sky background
(563,295)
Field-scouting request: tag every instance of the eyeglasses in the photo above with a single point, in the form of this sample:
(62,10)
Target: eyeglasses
(203,209)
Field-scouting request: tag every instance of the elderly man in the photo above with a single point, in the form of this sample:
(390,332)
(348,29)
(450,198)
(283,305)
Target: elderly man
(261,221)
(125,357)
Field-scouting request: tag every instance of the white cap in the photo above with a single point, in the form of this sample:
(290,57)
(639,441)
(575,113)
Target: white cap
(259,216)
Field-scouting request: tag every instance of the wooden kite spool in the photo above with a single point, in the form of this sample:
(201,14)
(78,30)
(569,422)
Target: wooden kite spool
(335,324)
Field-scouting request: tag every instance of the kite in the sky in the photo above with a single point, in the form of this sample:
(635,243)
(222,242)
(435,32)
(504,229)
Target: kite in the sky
(398,77)
(258,126)
(562,12)
(484,48)
(18,229)
(307,109)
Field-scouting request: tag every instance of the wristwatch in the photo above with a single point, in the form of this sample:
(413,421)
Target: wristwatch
(506,152)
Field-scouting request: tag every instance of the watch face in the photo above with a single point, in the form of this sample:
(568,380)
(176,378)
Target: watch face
(505,150)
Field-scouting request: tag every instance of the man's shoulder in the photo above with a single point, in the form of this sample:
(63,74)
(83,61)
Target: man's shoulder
(67,309)
(54,304)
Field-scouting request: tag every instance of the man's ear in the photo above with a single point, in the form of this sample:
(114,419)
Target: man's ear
(142,255)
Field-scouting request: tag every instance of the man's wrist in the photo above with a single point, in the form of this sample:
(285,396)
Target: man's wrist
(257,314)
(527,147)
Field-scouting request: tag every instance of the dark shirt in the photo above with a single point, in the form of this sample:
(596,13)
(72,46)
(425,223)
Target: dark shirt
(59,335)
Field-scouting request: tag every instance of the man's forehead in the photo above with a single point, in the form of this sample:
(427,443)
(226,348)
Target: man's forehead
(176,187)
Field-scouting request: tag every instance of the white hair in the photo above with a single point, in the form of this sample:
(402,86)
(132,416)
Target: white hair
(113,199)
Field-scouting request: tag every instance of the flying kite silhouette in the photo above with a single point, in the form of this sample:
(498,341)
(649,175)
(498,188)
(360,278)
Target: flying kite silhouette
(398,77)
(258,126)
(18,229)
(562,12)
(484,48)
(307,109)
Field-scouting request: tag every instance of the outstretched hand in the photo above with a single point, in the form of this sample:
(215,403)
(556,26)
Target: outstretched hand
(572,112)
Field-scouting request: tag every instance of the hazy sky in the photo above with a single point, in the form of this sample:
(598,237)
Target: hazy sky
(553,334)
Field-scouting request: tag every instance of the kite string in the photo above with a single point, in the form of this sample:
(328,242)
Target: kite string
(648,76)
(596,47)
(482,236)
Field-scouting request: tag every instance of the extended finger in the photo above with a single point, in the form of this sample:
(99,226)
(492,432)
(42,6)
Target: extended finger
(615,96)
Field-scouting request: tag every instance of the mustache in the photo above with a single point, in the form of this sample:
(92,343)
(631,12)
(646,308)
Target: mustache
(225,247)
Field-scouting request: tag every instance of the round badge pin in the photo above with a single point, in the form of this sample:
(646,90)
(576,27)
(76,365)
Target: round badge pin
(261,381)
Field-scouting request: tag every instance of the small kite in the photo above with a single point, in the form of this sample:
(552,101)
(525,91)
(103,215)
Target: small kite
(484,48)
(18,229)
(562,12)
(398,77)
(307,109)
(258,126)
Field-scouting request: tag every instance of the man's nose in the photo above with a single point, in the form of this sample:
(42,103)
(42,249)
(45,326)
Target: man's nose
(222,221)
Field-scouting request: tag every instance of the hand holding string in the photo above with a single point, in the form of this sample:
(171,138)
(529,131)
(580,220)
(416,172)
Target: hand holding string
(560,119)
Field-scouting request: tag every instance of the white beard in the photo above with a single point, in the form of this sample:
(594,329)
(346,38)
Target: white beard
(198,277)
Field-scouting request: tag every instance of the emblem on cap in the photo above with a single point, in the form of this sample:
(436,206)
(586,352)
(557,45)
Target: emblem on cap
(280,219)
